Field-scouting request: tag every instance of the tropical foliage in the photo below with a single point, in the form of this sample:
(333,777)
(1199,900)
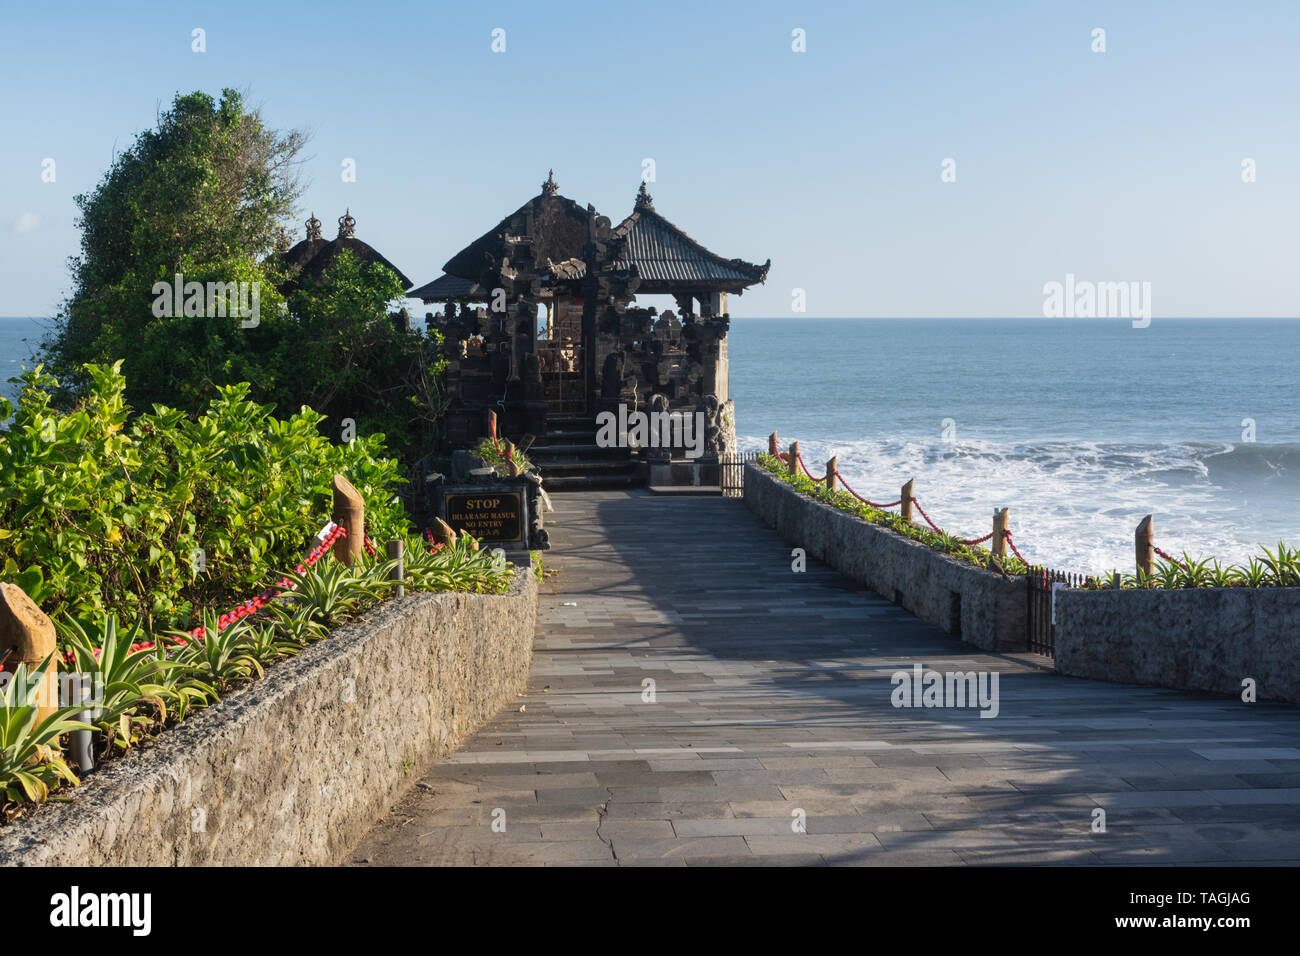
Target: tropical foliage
(493,453)
(161,515)
(209,195)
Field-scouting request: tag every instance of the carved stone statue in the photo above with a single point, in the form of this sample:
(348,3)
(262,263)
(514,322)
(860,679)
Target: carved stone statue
(658,411)
(717,435)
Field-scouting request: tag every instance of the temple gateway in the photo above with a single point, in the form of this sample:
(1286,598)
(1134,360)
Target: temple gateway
(541,327)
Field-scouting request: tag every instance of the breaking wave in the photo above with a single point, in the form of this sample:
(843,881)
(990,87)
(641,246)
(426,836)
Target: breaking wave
(1075,504)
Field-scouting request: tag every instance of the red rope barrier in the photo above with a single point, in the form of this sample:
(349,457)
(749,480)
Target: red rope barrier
(926,516)
(865,501)
(1014,549)
(370,548)
(969,542)
(1169,557)
(965,541)
(255,604)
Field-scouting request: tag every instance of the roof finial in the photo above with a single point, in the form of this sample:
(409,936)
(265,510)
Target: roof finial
(549,188)
(643,200)
(313,227)
(347,226)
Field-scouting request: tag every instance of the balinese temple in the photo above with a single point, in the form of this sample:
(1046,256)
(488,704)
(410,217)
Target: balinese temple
(314,255)
(541,325)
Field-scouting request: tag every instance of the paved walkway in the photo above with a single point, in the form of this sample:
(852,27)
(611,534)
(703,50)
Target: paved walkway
(772,695)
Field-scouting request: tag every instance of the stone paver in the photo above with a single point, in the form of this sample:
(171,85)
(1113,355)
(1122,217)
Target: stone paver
(772,704)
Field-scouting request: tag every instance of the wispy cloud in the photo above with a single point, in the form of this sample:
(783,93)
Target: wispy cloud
(27,222)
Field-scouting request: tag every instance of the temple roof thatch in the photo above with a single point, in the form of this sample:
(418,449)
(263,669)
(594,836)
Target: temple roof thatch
(556,226)
(552,232)
(668,260)
(447,288)
(314,255)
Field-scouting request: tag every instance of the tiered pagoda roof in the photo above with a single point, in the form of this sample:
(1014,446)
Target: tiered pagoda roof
(556,231)
(668,260)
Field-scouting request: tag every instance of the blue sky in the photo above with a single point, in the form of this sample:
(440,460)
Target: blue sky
(1123,165)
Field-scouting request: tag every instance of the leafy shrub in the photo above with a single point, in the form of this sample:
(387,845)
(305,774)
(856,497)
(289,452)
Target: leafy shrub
(161,516)
(494,455)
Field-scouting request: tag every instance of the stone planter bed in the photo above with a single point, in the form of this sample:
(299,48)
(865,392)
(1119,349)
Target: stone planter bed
(295,767)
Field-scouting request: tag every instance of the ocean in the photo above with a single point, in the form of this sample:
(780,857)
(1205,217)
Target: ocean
(18,340)
(1079,426)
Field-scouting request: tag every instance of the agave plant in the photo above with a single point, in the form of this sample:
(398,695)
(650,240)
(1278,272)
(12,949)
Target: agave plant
(455,567)
(1283,566)
(269,643)
(1252,574)
(30,765)
(220,658)
(332,591)
(297,624)
(1193,573)
(130,696)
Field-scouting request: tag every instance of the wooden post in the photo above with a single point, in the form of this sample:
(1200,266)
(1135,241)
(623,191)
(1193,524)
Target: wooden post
(492,425)
(772,446)
(24,626)
(443,533)
(508,452)
(1144,545)
(905,506)
(832,467)
(395,553)
(350,513)
(794,458)
(999,543)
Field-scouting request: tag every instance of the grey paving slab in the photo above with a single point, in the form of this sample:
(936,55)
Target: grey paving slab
(771,694)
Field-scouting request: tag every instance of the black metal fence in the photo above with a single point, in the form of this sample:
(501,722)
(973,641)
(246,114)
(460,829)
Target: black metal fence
(1040,622)
(732,468)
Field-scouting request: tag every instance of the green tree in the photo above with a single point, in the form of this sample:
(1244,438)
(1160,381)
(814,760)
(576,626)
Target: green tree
(205,194)
(347,358)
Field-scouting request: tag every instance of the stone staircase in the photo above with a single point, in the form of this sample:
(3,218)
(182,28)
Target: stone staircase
(569,459)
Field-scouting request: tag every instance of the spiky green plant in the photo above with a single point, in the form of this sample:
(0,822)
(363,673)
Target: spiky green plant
(220,658)
(134,698)
(333,592)
(30,765)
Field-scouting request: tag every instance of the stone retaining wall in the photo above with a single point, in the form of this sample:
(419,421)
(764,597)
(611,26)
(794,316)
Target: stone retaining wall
(977,605)
(295,767)
(1206,639)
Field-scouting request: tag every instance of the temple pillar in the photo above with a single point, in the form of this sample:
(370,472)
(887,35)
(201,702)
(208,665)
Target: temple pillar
(716,304)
